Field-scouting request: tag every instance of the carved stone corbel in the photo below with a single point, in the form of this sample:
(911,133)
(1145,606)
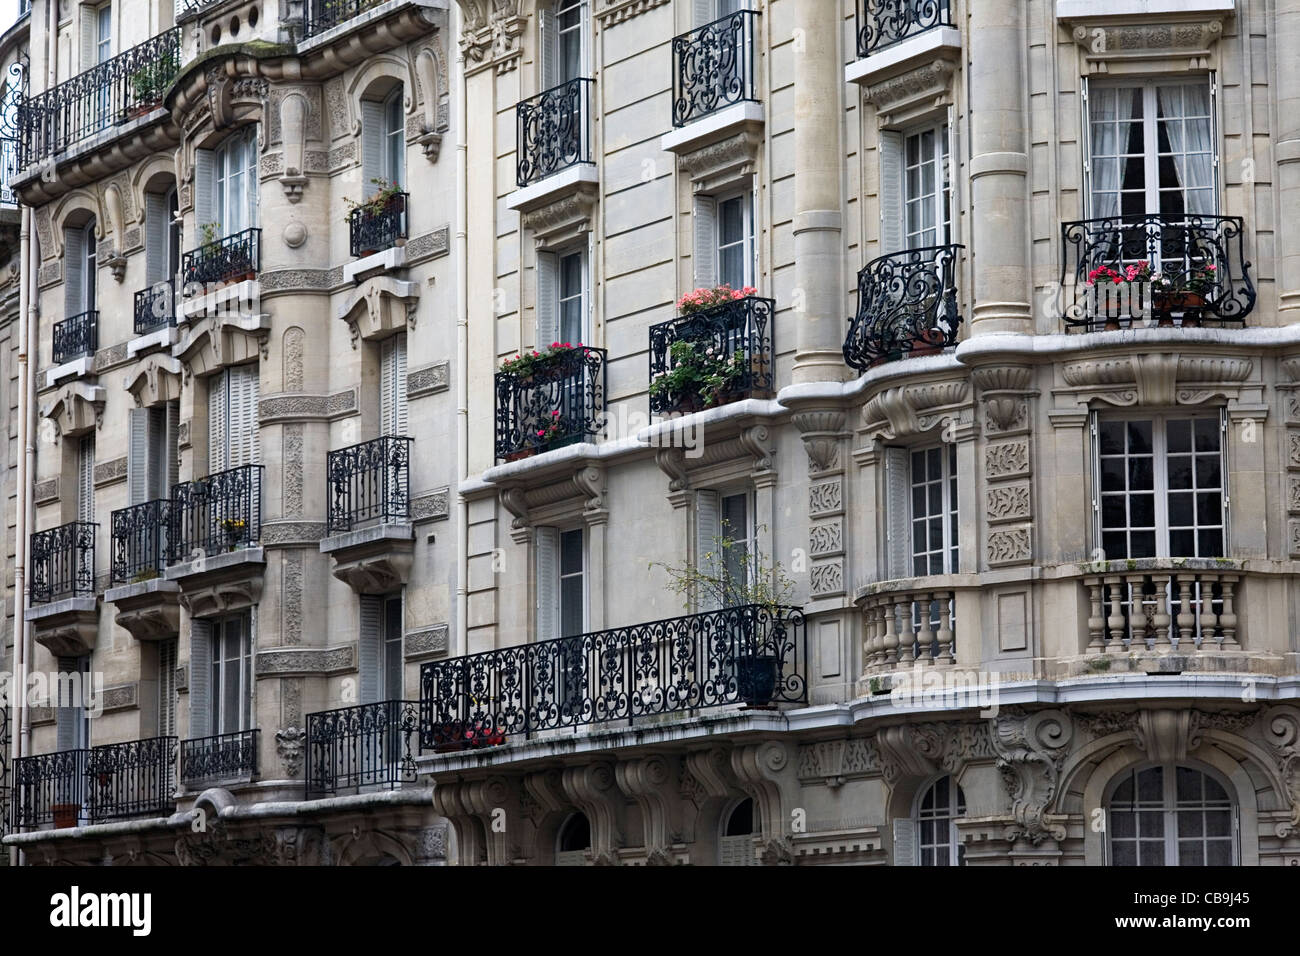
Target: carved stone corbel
(754,440)
(822,433)
(590,482)
(765,771)
(293,131)
(1282,731)
(378,307)
(911,409)
(648,781)
(76,409)
(672,462)
(591,788)
(155,380)
(113,202)
(1030,750)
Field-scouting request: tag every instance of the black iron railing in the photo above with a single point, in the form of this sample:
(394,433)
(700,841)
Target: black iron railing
(8,168)
(76,337)
(882,23)
(373,230)
(324,15)
(237,256)
(1190,266)
(140,541)
(907,304)
(732,341)
(372,745)
(225,757)
(368,482)
(63,562)
(222,512)
(49,788)
(5,806)
(713,67)
(111,92)
(155,307)
(554,131)
(559,400)
(135,778)
(747,654)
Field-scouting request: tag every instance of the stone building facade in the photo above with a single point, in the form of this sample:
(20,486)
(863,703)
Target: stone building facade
(983,492)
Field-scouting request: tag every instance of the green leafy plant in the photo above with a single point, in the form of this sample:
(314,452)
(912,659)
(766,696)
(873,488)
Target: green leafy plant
(148,82)
(377,202)
(525,362)
(730,574)
(148,574)
(700,369)
(1200,279)
(698,300)
(209,232)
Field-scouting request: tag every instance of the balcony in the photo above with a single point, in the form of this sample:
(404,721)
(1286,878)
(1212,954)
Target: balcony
(748,654)
(155,308)
(63,562)
(553,401)
(364,747)
(110,782)
(131,84)
(76,337)
(224,758)
(216,514)
(139,549)
(883,23)
(554,131)
(375,227)
(8,169)
(907,305)
(232,259)
(325,15)
(369,482)
(1188,271)
(1163,606)
(731,343)
(908,626)
(713,67)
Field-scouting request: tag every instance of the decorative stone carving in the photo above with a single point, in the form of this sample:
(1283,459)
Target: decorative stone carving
(1009,546)
(1185,45)
(429,379)
(426,642)
(109,472)
(305,662)
(289,744)
(822,433)
(76,409)
(490,33)
(898,96)
(1282,731)
(727,162)
(1006,459)
(1030,749)
(433,504)
(825,497)
(1008,502)
(154,380)
(379,307)
(563,219)
(911,409)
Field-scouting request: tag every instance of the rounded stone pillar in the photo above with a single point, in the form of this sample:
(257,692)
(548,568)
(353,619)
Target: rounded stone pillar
(1286,33)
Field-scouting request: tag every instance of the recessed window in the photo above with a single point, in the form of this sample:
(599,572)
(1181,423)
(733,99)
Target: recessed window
(927,189)
(235,198)
(573,841)
(937,810)
(933,513)
(1170,816)
(736,845)
(232,674)
(233,438)
(735,241)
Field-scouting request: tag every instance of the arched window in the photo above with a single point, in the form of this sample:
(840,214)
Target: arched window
(383,140)
(736,845)
(573,842)
(934,825)
(1170,816)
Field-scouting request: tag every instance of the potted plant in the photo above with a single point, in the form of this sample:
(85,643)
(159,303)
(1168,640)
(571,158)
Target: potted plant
(451,736)
(234,528)
(65,815)
(1132,278)
(700,375)
(209,233)
(383,200)
(148,574)
(708,297)
(1184,293)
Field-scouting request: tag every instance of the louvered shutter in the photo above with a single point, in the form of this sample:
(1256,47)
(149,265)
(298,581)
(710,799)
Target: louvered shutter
(737,851)
(244,444)
(167,688)
(547,281)
(392,410)
(898,546)
(548,583)
(86,480)
(550,46)
(205,186)
(370,652)
(89,36)
(372,145)
(704,12)
(891,191)
(137,457)
(705,259)
(218,405)
(74,272)
(155,237)
(708,534)
(66,716)
(905,843)
(171,453)
(200,678)
(954,164)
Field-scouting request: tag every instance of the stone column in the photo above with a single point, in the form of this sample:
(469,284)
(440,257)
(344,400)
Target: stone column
(818,250)
(1286,31)
(998,169)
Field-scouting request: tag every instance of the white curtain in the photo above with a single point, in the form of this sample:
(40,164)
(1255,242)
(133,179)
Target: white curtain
(1189,141)
(1110,112)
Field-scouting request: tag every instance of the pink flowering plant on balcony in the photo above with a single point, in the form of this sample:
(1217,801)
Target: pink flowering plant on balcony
(700,370)
(1199,279)
(698,300)
(1131,273)
(523,364)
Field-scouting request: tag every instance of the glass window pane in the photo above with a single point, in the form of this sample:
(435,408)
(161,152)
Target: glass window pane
(1182,544)
(1207,434)
(1179,434)
(1140,474)
(571,552)
(1180,471)
(1142,511)
(1210,544)
(1139,438)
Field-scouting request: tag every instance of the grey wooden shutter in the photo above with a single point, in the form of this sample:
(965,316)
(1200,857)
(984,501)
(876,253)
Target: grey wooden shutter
(708,534)
(891,191)
(89,36)
(155,237)
(138,457)
(74,272)
(1085,140)
(737,851)
(218,405)
(172,440)
(86,479)
(200,678)
(550,46)
(897,486)
(66,717)
(244,445)
(705,258)
(167,688)
(204,188)
(370,650)
(704,10)
(392,398)
(547,281)
(372,145)
(905,842)
(547,541)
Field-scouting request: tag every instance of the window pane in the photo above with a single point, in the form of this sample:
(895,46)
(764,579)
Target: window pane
(1140,474)
(571,552)
(1110,437)
(1180,436)
(1142,511)
(1139,438)
(1211,544)
(1151,785)
(1207,434)
(1180,471)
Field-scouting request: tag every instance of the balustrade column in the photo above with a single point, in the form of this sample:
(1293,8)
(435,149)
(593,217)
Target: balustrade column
(1096,622)
(890,643)
(907,634)
(945,636)
(1186,617)
(925,633)
(1115,622)
(1160,620)
(1227,617)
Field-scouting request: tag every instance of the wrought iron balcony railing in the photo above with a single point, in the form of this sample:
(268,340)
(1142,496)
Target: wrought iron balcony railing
(140,541)
(109,782)
(76,337)
(747,654)
(63,562)
(224,757)
(49,788)
(325,15)
(882,23)
(368,482)
(237,256)
(733,340)
(222,512)
(111,92)
(372,230)
(1190,266)
(372,745)
(713,67)
(155,307)
(559,400)
(554,131)
(8,168)
(907,305)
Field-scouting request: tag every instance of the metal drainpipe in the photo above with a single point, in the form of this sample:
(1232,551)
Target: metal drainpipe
(462,348)
(18,687)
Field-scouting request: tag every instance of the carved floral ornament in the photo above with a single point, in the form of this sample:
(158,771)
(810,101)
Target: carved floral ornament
(1166,378)
(1129,47)
(904,410)
(490,34)
(913,93)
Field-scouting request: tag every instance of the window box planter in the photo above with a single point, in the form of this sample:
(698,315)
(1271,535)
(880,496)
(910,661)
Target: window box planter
(460,735)
(65,815)
(521,454)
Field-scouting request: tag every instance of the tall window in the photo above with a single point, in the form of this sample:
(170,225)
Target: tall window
(232,418)
(937,810)
(72,720)
(235,183)
(167,688)
(104,33)
(380,653)
(152,464)
(573,841)
(79,267)
(927,197)
(162,245)
(933,513)
(1170,816)
(736,844)
(232,674)
(573,595)
(564,41)
(86,478)
(394,138)
(735,241)
(383,140)
(1152,148)
(737,528)
(573,295)
(1160,487)
(392,385)
(563,299)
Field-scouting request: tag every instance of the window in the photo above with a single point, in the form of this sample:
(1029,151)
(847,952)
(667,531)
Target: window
(933,513)
(162,243)
(561,583)
(563,42)
(79,286)
(735,241)
(152,465)
(86,478)
(573,841)
(104,33)
(72,719)
(232,418)
(562,298)
(937,810)
(392,385)
(1160,487)
(232,674)
(1170,816)
(1152,149)
(167,688)
(380,652)
(915,188)
(572,301)
(383,140)
(226,191)
(573,602)
(736,845)
(718,518)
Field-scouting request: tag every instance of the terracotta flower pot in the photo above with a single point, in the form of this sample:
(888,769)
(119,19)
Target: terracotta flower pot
(65,815)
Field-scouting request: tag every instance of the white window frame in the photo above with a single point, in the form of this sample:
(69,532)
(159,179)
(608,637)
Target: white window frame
(582,296)
(1160,481)
(551,37)
(746,242)
(955,810)
(561,576)
(748,536)
(226,168)
(394,138)
(390,645)
(1170,809)
(219,639)
(941,198)
(950,503)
